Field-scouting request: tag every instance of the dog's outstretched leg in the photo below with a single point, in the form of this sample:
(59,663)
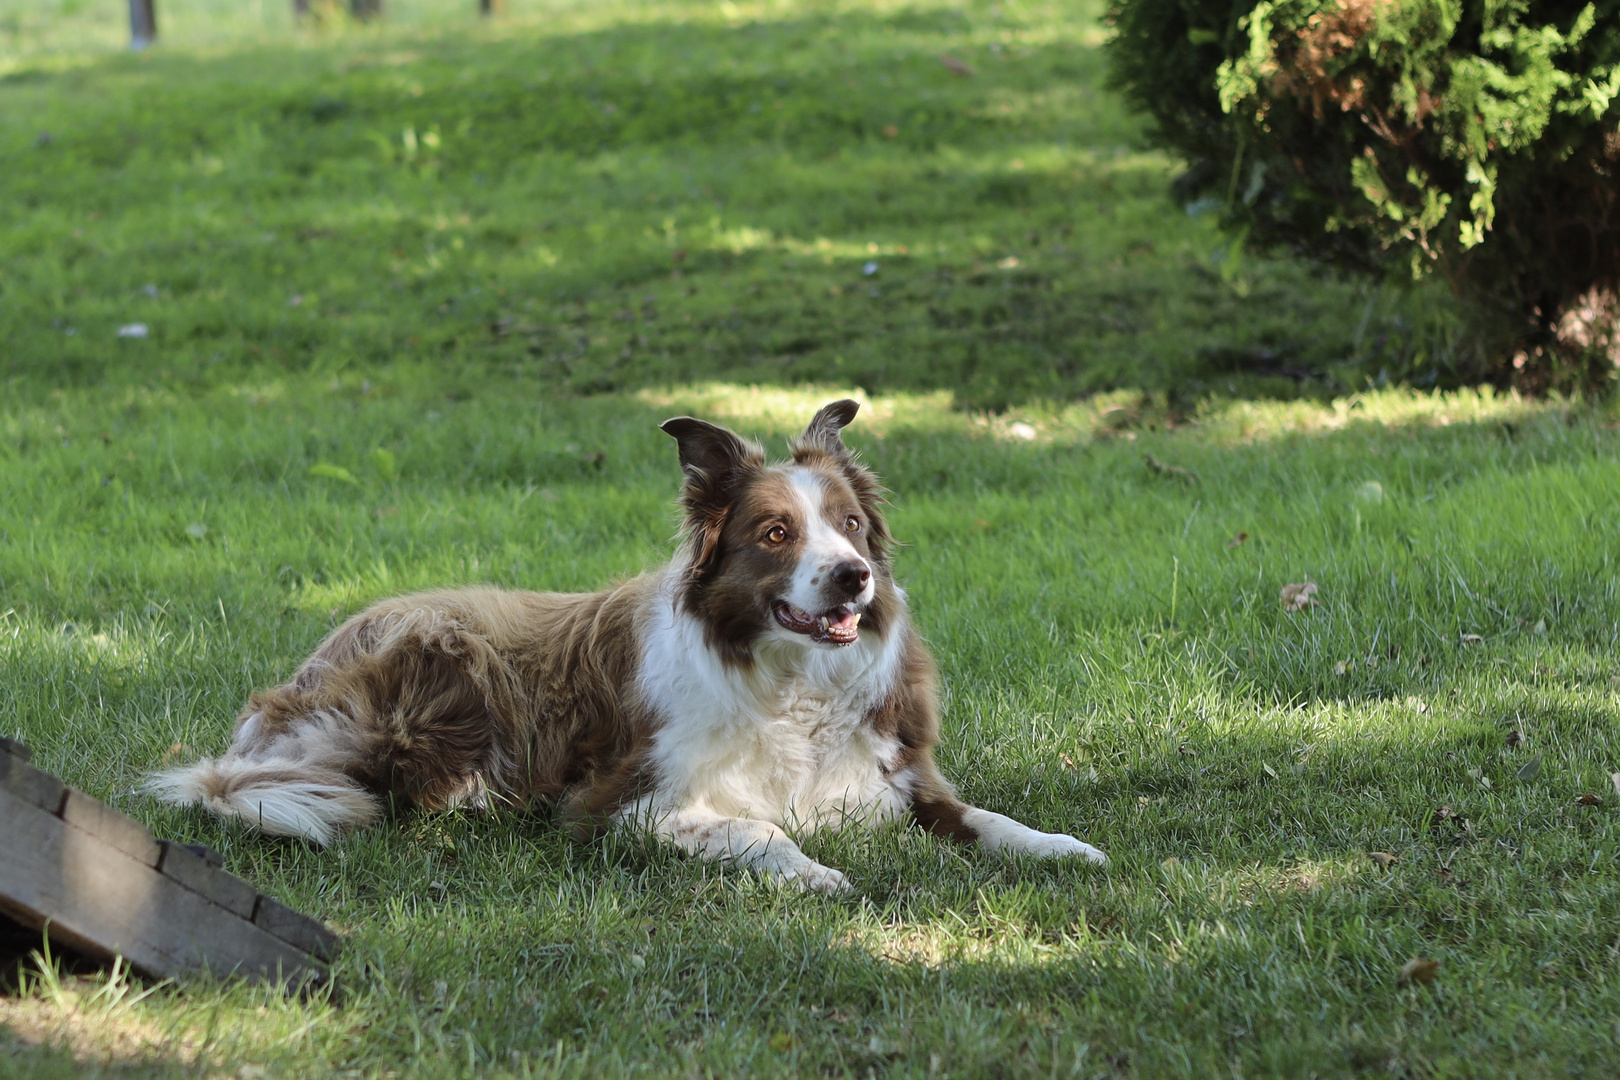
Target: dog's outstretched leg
(758,845)
(936,808)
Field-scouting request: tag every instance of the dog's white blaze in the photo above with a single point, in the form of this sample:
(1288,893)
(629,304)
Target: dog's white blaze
(824,547)
(997,832)
(781,741)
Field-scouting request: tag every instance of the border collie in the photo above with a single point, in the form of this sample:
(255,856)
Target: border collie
(768,679)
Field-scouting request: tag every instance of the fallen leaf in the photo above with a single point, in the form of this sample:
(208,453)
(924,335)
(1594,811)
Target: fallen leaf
(1420,969)
(1471,639)
(869,269)
(1540,627)
(1237,540)
(1530,769)
(1009,263)
(1589,800)
(332,472)
(133,330)
(1343,666)
(1383,859)
(1615,780)
(1022,431)
(890,131)
(1175,472)
(196,530)
(955,66)
(1372,491)
(1067,762)
(382,460)
(1299,596)
(1268,770)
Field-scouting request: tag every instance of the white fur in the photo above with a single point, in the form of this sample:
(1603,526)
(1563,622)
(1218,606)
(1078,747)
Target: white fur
(824,547)
(260,795)
(1000,833)
(745,751)
(319,807)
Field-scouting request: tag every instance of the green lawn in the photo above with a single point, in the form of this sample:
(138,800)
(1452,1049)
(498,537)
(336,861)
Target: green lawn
(469,268)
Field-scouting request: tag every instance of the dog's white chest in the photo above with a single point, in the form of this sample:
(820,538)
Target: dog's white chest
(794,750)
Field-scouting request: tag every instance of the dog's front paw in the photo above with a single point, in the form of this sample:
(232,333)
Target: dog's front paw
(1057,846)
(813,877)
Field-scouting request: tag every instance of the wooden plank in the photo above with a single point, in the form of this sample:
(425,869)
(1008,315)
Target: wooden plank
(124,833)
(201,875)
(101,900)
(295,928)
(15,748)
(31,785)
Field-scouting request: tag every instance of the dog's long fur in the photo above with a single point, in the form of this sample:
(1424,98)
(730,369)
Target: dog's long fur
(767,679)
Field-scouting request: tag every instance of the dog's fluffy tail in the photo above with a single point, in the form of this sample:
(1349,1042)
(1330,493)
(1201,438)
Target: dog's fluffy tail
(280,796)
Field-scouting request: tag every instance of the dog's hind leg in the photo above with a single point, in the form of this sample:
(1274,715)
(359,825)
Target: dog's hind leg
(405,701)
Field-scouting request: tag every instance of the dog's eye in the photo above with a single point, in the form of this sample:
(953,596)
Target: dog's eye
(776,534)
(852,524)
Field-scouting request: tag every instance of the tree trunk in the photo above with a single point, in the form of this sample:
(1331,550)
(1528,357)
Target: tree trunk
(142,23)
(366,10)
(487,8)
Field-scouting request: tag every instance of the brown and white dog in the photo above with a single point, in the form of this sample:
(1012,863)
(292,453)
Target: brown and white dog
(767,679)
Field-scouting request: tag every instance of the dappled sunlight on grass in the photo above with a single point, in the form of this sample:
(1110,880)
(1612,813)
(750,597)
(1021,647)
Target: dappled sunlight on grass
(1223,421)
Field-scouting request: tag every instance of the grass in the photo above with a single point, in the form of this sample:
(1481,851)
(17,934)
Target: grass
(489,331)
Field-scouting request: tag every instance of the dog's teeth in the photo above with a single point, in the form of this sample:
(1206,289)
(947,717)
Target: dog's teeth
(824,623)
(855,620)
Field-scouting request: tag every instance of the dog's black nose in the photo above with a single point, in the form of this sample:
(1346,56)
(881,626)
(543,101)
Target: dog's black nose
(851,577)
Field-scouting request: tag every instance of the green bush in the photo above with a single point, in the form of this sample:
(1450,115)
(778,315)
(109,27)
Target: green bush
(1472,139)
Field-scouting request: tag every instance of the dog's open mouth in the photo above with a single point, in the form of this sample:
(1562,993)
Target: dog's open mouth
(837,626)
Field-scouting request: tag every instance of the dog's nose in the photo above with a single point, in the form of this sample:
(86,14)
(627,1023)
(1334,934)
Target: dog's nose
(850,577)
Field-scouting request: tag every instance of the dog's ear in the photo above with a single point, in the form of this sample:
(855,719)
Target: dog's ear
(823,435)
(715,461)
(823,441)
(708,449)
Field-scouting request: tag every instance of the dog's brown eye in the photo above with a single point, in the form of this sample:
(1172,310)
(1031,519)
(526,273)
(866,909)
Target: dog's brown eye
(776,534)
(852,524)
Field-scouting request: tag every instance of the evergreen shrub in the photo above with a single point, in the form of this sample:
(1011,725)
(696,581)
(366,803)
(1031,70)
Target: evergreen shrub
(1478,140)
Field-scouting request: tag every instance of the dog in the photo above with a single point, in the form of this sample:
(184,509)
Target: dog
(767,681)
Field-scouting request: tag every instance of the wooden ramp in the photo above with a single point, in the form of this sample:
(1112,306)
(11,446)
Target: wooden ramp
(98,883)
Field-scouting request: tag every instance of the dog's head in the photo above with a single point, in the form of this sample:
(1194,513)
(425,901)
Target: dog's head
(796,551)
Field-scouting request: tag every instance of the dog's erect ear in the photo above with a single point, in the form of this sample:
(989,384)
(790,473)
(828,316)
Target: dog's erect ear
(823,433)
(715,461)
(708,449)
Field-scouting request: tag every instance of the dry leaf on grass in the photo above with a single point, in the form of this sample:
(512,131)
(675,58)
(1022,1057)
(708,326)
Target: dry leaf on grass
(1384,859)
(1530,769)
(1067,762)
(1615,780)
(1472,639)
(1420,969)
(1589,800)
(1237,540)
(1298,597)
(955,66)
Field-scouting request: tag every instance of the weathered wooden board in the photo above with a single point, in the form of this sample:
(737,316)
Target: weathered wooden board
(98,882)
